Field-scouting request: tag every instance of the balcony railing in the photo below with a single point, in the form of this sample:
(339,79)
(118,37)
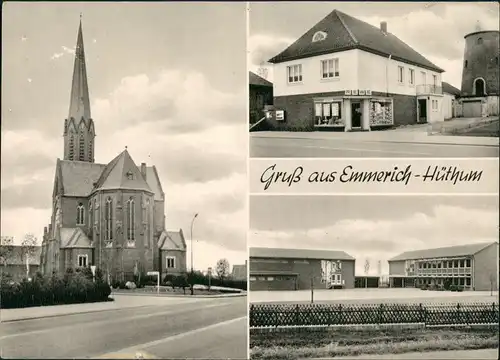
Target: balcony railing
(429,90)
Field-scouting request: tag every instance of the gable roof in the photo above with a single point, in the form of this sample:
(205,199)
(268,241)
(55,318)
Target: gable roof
(299,254)
(74,238)
(256,80)
(154,183)
(172,240)
(15,257)
(345,32)
(77,178)
(115,175)
(239,271)
(448,251)
(450,89)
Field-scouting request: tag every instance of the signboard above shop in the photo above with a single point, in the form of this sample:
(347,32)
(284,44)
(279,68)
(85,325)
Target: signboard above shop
(358,92)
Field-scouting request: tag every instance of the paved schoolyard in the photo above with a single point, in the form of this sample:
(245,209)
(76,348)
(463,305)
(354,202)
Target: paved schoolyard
(441,355)
(371,296)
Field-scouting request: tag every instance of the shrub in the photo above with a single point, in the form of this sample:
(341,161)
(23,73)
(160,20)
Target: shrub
(460,288)
(72,287)
(423,287)
(453,288)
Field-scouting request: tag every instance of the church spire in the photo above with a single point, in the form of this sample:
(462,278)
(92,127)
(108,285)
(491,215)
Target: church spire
(79,105)
(79,131)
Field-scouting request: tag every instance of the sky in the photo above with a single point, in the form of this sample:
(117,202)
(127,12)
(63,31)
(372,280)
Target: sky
(436,30)
(372,227)
(167,80)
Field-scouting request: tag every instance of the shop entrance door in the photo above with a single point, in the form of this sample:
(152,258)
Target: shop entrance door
(356,114)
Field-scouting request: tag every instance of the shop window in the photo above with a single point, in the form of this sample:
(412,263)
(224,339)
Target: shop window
(381,112)
(328,113)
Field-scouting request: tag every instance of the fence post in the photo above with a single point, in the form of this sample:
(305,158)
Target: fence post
(339,322)
(380,314)
(250,312)
(297,315)
(312,290)
(457,319)
(422,314)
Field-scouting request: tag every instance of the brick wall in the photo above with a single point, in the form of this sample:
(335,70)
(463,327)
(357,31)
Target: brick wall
(405,109)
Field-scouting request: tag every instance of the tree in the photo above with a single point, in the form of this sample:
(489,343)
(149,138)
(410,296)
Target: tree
(6,249)
(367,268)
(222,269)
(28,249)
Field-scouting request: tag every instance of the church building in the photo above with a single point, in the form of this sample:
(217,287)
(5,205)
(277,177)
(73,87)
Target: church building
(109,215)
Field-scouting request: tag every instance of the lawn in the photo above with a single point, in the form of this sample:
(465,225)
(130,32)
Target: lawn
(330,342)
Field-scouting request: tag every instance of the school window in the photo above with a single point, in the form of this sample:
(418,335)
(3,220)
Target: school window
(467,263)
(401,74)
(80,214)
(294,73)
(330,68)
(82,260)
(170,261)
(412,76)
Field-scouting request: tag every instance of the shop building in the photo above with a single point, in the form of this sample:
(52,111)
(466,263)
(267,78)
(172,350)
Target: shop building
(300,269)
(474,266)
(345,74)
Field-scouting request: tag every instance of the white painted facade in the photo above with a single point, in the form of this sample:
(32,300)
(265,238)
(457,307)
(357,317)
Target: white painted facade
(447,107)
(358,70)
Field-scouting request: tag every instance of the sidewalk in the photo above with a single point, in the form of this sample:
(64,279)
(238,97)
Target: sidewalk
(120,302)
(176,295)
(418,135)
(441,355)
(458,125)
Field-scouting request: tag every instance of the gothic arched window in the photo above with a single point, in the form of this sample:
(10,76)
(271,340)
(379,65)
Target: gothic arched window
(91,153)
(131,220)
(71,146)
(108,219)
(81,152)
(90,215)
(80,214)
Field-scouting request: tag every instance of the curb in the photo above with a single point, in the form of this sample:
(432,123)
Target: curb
(386,141)
(181,295)
(65,314)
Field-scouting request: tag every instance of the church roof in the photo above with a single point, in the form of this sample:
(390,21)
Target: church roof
(79,105)
(122,173)
(74,238)
(78,177)
(344,32)
(172,240)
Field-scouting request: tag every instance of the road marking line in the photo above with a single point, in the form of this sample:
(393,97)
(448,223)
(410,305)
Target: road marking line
(93,323)
(137,348)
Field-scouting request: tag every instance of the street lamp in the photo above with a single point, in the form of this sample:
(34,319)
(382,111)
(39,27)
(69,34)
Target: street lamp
(192,269)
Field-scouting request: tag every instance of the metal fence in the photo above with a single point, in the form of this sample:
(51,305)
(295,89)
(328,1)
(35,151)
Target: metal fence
(285,315)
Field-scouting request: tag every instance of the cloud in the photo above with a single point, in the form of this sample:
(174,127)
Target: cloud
(177,101)
(263,47)
(65,51)
(194,134)
(383,239)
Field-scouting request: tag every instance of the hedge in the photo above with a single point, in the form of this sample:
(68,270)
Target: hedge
(75,286)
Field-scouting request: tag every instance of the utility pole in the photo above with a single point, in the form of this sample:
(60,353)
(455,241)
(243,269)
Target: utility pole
(312,290)
(192,268)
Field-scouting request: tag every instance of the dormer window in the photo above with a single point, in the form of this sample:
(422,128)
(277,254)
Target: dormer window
(130,175)
(319,36)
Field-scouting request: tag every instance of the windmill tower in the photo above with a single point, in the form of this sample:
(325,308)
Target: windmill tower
(481,73)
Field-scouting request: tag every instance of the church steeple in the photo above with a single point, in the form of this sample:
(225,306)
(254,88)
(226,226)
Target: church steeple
(78,127)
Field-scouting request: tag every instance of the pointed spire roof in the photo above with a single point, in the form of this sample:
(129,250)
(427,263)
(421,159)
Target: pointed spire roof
(122,173)
(79,105)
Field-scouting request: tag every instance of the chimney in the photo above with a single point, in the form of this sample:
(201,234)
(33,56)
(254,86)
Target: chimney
(50,228)
(383,27)
(143,170)
(45,230)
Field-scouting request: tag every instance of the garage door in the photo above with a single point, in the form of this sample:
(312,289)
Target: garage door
(472,109)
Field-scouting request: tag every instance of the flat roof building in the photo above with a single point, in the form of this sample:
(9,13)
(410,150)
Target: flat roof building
(473,266)
(300,269)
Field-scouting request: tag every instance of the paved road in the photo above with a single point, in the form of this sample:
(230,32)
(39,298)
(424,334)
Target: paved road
(345,148)
(209,328)
(485,130)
